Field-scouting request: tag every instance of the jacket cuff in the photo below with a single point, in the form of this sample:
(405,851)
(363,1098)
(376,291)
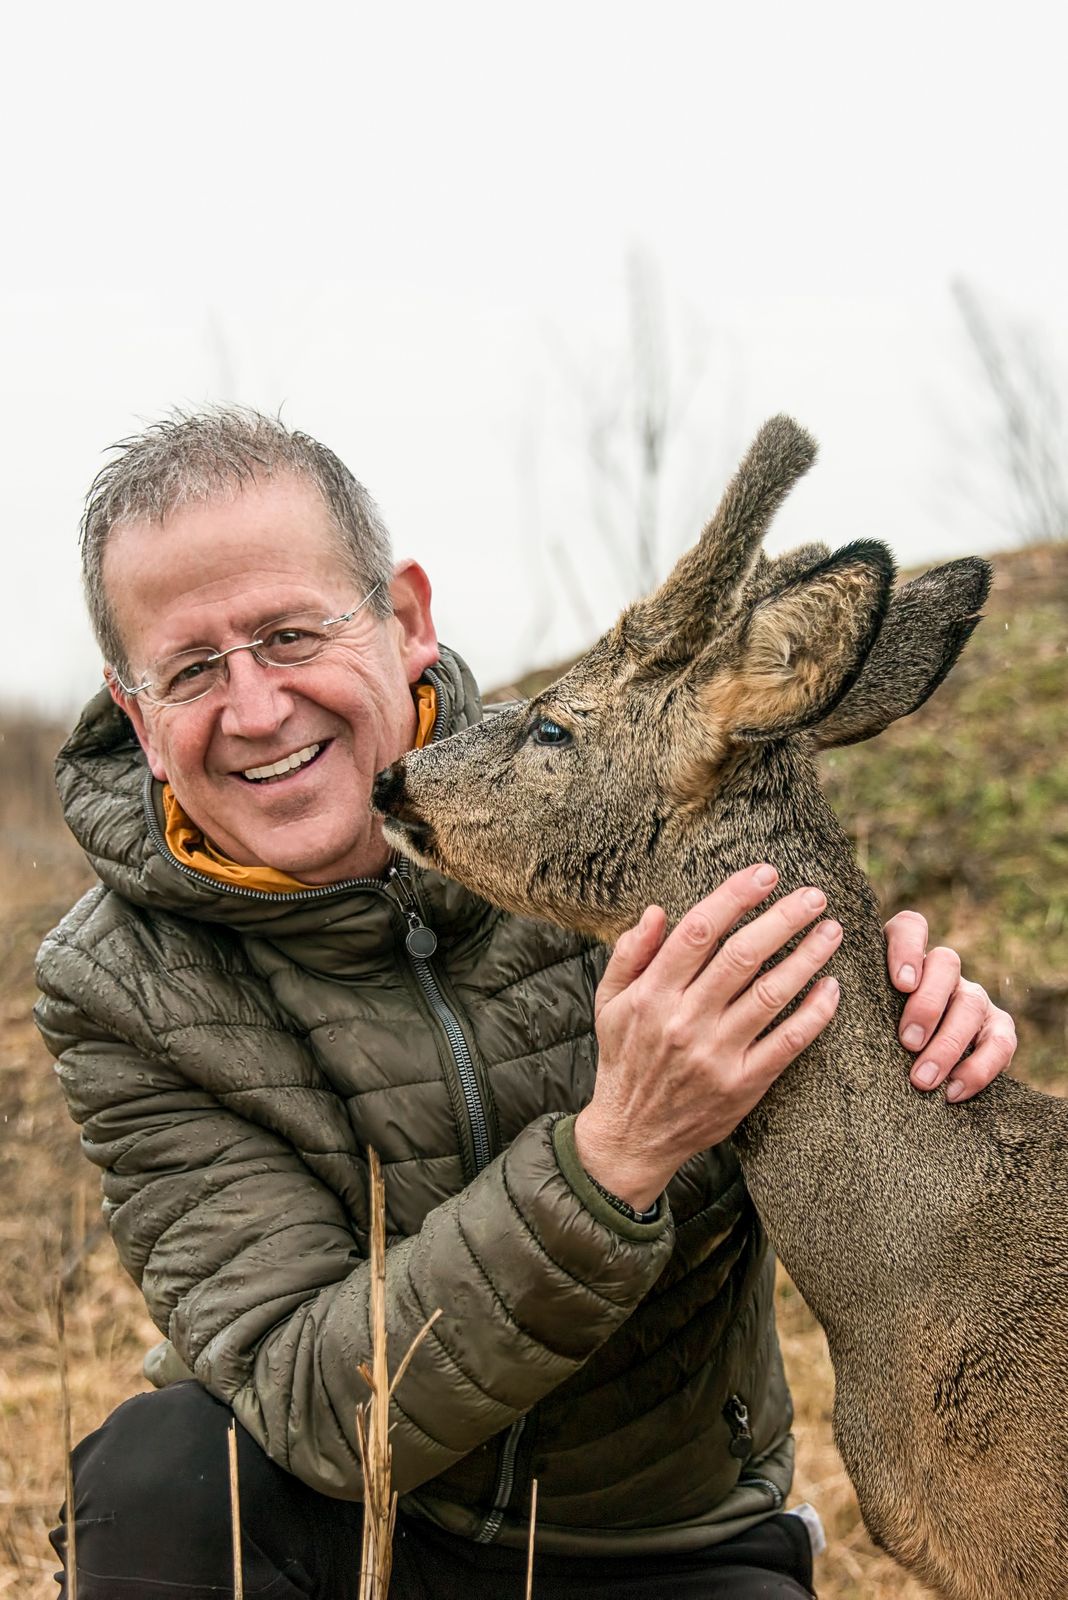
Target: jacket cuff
(593,1197)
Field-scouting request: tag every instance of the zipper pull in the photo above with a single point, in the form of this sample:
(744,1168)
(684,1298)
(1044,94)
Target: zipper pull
(421,941)
(737,1414)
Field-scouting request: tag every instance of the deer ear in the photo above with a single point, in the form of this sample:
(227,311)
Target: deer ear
(706,588)
(927,626)
(801,649)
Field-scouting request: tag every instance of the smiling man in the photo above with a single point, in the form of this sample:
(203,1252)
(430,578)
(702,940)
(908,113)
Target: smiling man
(256,993)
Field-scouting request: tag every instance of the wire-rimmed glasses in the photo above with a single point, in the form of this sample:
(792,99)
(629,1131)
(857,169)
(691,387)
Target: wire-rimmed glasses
(292,640)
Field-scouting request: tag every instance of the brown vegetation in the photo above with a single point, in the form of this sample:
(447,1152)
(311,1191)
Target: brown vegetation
(961,812)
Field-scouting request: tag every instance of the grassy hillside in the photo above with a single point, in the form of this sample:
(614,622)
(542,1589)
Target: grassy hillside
(960,811)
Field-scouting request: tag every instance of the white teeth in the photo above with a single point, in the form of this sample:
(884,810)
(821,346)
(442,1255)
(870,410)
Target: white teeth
(288,764)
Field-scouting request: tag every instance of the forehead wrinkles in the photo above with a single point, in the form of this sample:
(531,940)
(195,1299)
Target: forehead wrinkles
(276,536)
(226,609)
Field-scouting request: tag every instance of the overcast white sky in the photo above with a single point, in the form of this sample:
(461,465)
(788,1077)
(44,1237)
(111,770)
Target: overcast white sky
(407,226)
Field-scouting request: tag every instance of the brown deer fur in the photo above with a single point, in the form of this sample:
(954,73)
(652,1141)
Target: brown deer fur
(930,1240)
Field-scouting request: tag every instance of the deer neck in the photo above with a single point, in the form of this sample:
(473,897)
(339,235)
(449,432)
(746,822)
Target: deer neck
(834,1152)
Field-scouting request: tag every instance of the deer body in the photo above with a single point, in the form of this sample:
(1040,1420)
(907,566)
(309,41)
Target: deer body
(930,1241)
(932,1247)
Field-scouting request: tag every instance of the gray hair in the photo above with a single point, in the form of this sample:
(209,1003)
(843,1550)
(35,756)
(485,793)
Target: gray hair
(197,456)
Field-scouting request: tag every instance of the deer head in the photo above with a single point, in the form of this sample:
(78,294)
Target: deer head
(572,805)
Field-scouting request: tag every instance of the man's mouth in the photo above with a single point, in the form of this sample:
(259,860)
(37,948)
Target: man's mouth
(284,767)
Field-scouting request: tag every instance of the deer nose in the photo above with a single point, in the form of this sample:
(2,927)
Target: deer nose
(387,791)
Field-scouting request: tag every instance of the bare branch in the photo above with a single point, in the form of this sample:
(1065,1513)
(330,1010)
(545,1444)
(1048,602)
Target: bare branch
(1030,438)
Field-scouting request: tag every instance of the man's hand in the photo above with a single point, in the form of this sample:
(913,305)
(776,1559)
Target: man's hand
(678,1024)
(945,1014)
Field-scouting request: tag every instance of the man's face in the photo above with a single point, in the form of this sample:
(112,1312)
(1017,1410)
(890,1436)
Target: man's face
(210,576)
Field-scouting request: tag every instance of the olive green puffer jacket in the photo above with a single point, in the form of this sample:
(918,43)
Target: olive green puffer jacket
(230,1055)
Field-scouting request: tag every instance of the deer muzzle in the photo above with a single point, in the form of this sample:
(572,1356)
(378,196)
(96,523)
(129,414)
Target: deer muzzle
(403,824)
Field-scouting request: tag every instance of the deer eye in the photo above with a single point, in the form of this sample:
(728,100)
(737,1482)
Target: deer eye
(549,732)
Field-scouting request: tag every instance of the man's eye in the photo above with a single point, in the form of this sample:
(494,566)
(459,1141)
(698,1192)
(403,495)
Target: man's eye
(548,732)
(284,636)
(187,674)
(292,643)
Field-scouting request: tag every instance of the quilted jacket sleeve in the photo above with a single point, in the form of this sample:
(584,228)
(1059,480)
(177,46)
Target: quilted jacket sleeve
(249,1263)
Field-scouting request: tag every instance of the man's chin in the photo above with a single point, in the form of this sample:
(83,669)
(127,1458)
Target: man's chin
(318,861)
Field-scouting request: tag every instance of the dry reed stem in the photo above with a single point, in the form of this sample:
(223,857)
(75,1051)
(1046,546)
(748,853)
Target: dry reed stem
(530,1537)
(235,1510)
(372,1418)
(68,1464)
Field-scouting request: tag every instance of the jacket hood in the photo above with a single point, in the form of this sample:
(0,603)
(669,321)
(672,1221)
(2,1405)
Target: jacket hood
(114,808)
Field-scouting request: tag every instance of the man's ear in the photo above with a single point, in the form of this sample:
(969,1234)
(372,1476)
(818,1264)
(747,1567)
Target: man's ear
(927,626)
(800,650)
(128,704)
(410,592)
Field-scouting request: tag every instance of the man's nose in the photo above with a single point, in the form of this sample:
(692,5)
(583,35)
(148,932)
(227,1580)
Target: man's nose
(257,699)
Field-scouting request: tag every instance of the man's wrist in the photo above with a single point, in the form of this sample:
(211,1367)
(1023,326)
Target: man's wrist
(624,1207)
(614,1173)
(631,1224)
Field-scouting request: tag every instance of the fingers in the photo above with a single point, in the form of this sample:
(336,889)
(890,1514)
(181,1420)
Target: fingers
(758,1005)
(632,954)
(694,941)
(970,1019)
(925,1008)
(775,1051)
(993,1052)
(745,952)
(906,945)
(964,1017)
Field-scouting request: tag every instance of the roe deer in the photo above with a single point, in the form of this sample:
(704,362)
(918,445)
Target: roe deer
(930,1240)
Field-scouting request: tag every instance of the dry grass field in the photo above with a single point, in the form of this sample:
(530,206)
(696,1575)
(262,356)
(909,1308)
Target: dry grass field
(962,812)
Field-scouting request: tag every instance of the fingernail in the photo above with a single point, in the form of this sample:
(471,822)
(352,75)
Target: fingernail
(765,876)
(831,985)
(925,1074)
(907,975)
(830,929)
(815,898)
(913,1037)
(954,1090)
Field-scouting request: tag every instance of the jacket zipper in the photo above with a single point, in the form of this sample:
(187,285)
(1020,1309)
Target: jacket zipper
(736,1413)
(746,1482)
(476,1113)
(421,943)
(505,1483)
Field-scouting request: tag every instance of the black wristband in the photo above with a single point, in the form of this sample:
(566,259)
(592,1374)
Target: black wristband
(624,1207)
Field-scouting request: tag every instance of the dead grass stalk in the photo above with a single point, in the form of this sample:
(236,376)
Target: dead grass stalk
(235,1510)
(372,1418)
(68,1464)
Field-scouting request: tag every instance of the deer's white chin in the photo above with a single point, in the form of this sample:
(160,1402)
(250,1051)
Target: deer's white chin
(412,839)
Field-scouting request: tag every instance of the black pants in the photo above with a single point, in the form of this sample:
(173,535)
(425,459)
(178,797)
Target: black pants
(153,1521)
